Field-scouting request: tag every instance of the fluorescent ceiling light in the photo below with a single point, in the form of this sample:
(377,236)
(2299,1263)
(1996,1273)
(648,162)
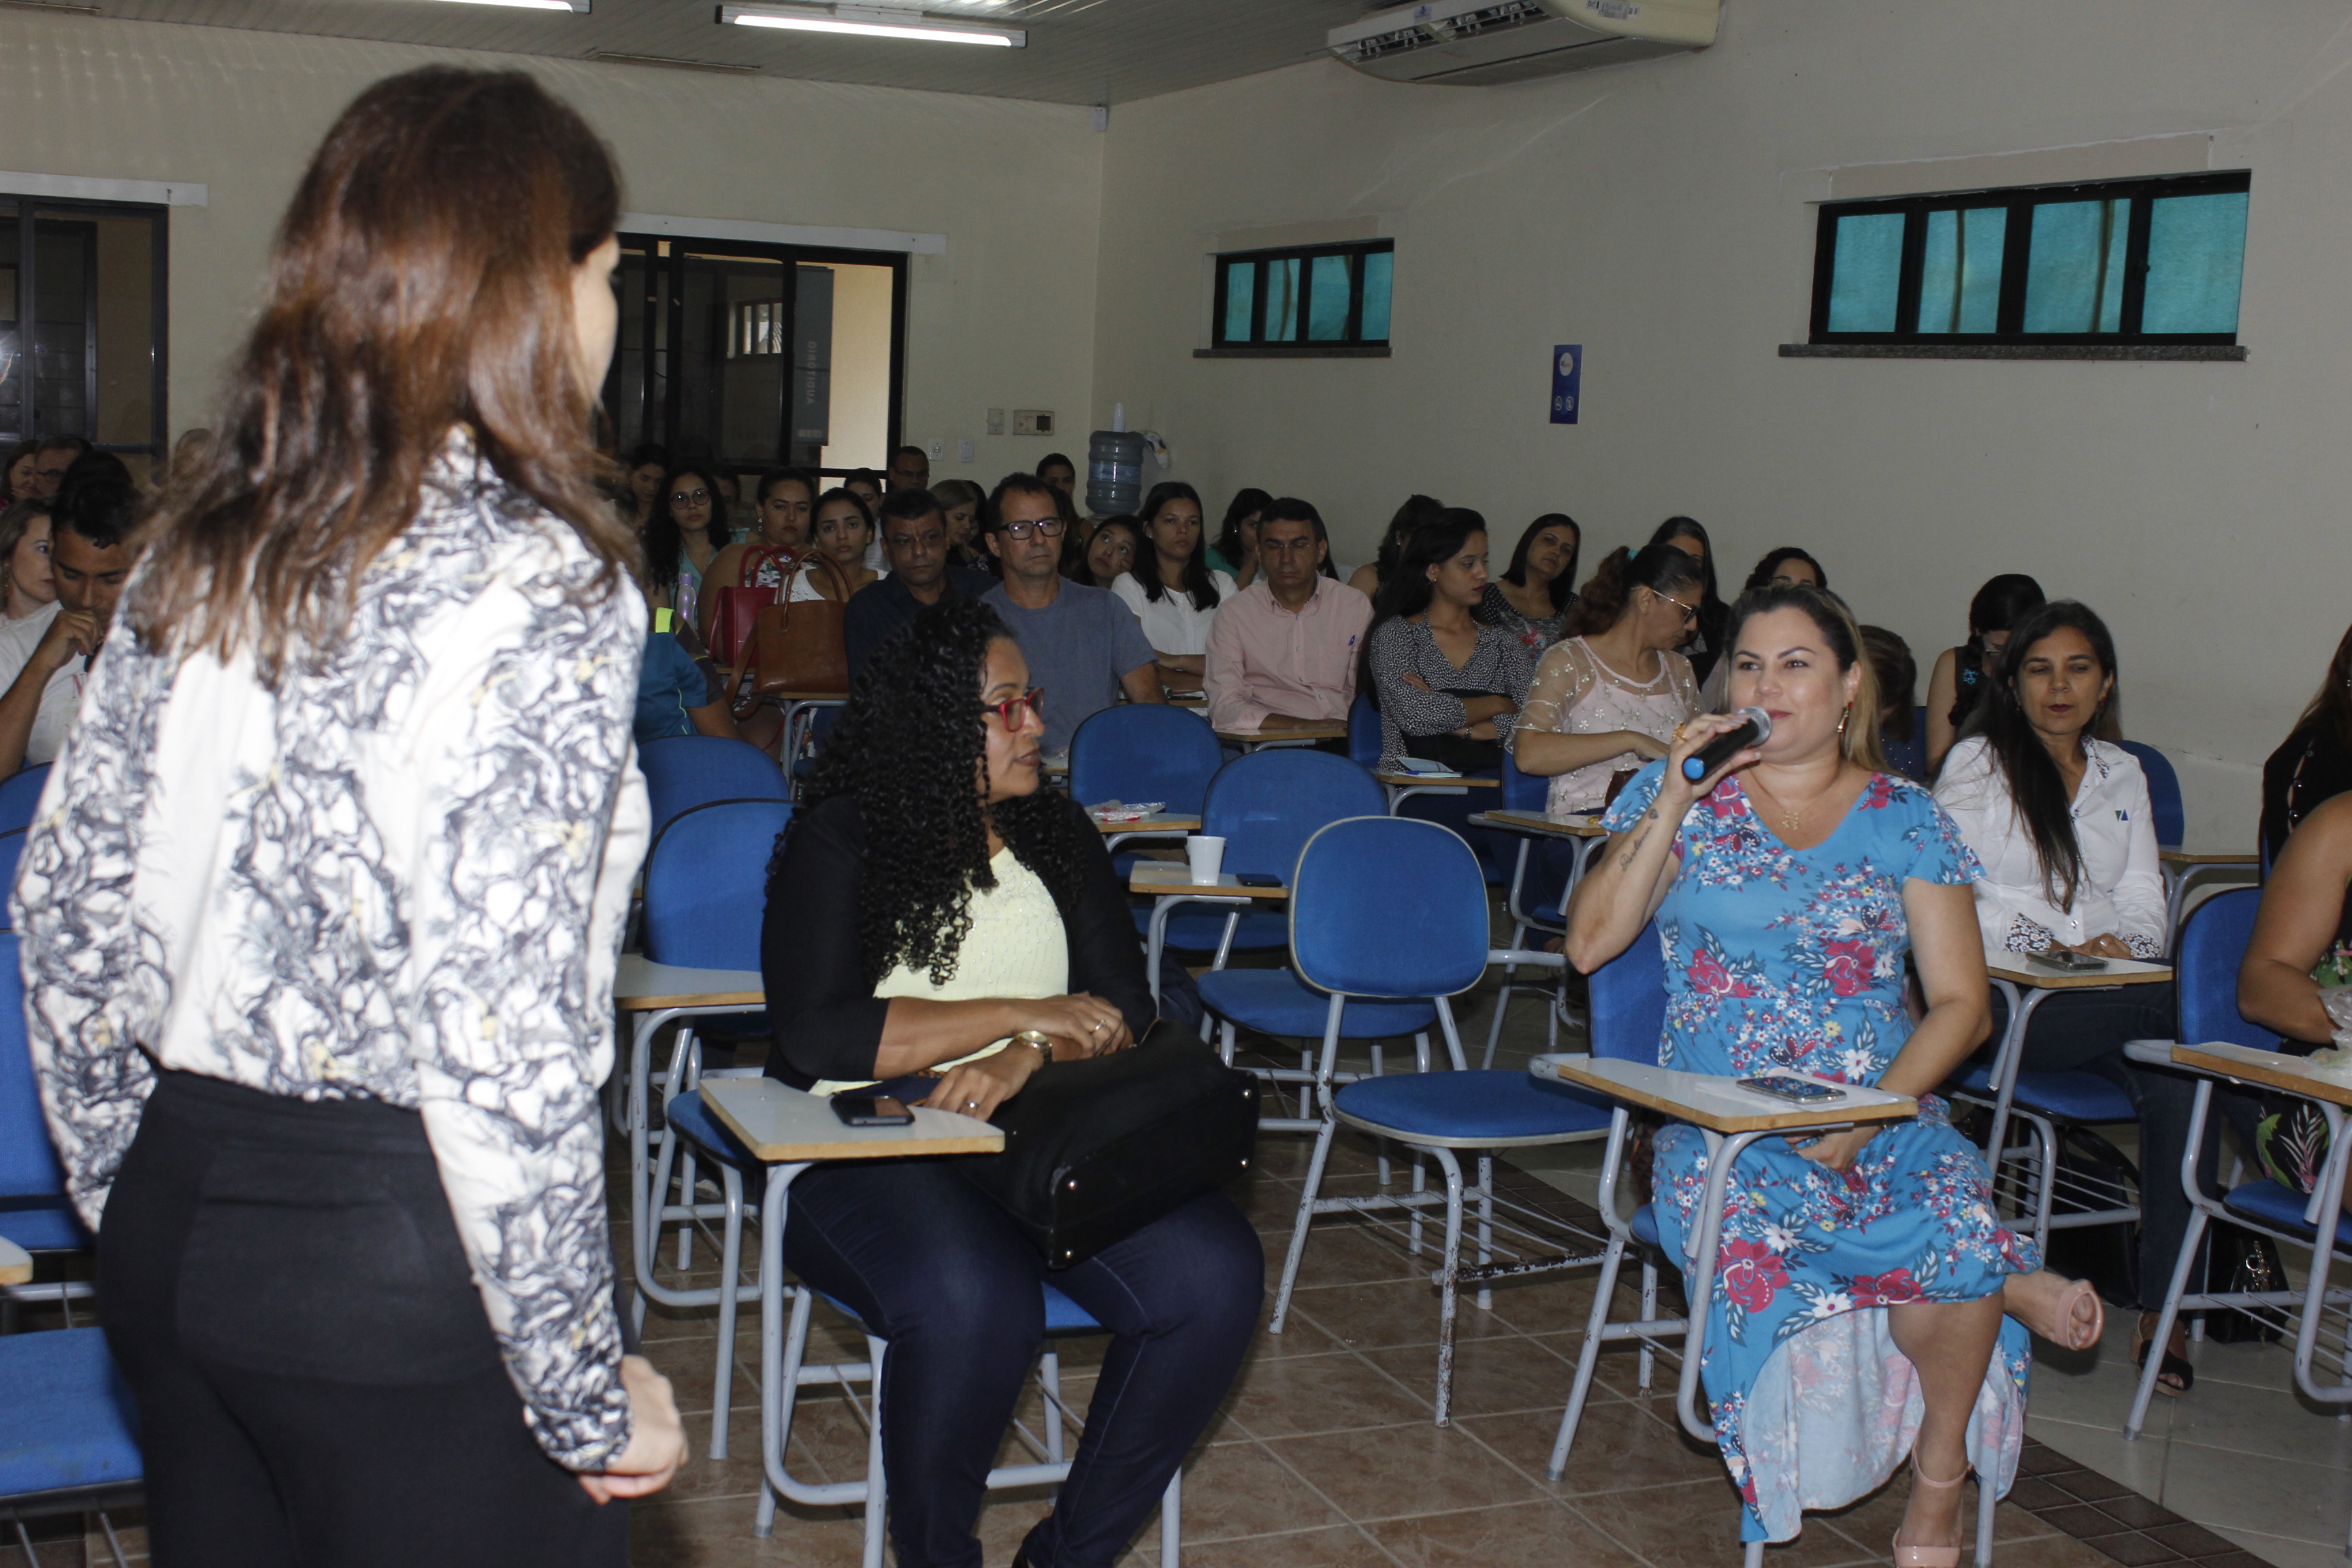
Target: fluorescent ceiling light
(580,5)
(872,21)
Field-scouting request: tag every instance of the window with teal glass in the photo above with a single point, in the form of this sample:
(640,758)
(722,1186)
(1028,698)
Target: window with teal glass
(2121,261)
(1291,300)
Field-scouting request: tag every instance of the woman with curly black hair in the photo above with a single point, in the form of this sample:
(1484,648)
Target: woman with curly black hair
(937,922)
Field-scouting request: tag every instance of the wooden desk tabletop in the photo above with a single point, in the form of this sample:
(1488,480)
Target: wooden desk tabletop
(780,1124)
(2178,857)
(16,1264)
(644,986)
(1537,825)
(1158,822)
(1426,781)
(2275,1069)
(1717,1104)
(2012,967)
(1333,729)
(1162,878)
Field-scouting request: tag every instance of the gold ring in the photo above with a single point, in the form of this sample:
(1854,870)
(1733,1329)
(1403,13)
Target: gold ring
(1678,733)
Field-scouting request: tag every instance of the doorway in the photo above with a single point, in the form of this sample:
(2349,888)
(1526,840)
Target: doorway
(749,355)
(82,301)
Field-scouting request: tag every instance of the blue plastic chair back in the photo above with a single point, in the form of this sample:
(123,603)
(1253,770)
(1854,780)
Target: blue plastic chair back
(1267,805)
(707,884)
(1364,732)
(1145,751)
(686,770)
(2163,792)
(1523,792)
(29,1166)
(19,794)
(2212,945)
(1628,995)
(1389,906)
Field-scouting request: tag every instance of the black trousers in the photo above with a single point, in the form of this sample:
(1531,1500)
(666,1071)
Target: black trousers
(937,1269)
(283,1288)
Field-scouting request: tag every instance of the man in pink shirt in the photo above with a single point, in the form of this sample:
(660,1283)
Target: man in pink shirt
(1282,653)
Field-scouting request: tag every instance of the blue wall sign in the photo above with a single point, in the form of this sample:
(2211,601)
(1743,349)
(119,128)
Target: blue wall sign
(1567,377)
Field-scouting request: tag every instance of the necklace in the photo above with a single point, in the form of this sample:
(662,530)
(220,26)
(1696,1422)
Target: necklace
(1792,819)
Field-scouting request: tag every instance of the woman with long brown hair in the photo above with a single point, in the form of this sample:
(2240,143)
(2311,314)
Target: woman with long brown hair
(322,905)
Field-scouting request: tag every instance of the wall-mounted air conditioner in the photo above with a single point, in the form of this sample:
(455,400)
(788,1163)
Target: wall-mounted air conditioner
(1481,43)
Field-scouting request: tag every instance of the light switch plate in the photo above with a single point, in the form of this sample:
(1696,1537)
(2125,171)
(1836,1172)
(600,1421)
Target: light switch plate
(996,421)
(966,451)
(939,450)
(1032,422)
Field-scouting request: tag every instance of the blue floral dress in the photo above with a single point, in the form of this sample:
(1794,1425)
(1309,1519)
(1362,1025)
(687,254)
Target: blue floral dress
(1781,957)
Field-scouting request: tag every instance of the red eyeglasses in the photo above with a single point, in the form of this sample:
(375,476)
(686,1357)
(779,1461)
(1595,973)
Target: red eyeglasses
(1009,713)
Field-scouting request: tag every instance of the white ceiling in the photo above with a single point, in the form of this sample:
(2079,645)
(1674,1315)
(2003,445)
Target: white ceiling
(1079,52)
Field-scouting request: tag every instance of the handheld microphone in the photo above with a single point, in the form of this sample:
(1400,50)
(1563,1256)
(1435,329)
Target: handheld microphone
(1719,751)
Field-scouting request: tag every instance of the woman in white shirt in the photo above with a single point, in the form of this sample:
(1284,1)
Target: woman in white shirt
(2059,815)
(843,529)
(1171,587)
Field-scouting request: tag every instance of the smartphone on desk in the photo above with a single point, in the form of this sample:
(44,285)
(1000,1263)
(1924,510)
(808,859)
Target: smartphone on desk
(2065,961)
(1796,1091)
(871,1110)
(1257,879)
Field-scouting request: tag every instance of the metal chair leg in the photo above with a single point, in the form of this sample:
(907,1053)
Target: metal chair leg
(1446,1276)
(1306,1216)
(1603,1287)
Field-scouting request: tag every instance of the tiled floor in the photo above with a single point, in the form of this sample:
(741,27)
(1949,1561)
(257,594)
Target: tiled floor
(1326,1455)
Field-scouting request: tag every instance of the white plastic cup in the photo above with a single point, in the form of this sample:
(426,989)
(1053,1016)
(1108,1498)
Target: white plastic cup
(1207,853)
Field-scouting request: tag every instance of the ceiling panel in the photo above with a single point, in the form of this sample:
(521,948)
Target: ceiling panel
(1079,52)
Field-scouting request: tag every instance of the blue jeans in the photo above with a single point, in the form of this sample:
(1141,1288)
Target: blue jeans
(937,1269)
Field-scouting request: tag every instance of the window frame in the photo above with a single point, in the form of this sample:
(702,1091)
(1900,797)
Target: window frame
(1305,256)
(2016,246)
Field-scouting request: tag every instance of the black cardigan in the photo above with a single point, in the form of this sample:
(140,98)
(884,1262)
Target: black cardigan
(826,1018)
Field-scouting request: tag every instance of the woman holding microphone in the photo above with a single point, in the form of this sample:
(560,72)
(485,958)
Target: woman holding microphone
(1788,884)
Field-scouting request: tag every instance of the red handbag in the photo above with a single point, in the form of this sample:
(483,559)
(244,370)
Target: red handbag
(736,609)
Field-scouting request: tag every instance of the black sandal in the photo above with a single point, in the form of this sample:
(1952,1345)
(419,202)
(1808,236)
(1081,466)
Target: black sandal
(2171,1366)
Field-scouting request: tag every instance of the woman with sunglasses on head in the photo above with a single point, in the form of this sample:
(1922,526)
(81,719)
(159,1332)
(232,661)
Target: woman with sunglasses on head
(1788,886)
(935,916)
(321,914)
(1610,698)
(684,536)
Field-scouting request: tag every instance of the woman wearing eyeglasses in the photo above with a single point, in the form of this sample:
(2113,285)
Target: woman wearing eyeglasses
(683,537)
(934,916)
(1607,699)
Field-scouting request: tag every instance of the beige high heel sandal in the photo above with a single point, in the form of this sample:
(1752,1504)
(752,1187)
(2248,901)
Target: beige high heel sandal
(1927,1557)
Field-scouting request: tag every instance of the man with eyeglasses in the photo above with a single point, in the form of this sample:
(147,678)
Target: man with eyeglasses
(1282,651)
(1084,647)
(910,469)
(50,462)
(914,539)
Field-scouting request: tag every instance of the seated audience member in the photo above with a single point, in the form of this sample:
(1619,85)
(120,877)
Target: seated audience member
(51,459)
(17,471)
(1283,650)
(1704,648)
(1958,682)
(2314,763)
(189,451)
(780,521)
(1060,473)
(1108,553)
(25,584)
(1416,512)
(1898,684)
(729,488)
(1448,688)
(2302,946)
(649,465)
(1235,552)
(1171,586)
(1812,874)
(1533,597)
(1083,646)
(1612,697)
(1787,564)
(684,538)
(935,911)
(867,486)
(46,657)
(2059,818)
(843,533)
(960,502)
(914,539)
(678,694)
(910,469)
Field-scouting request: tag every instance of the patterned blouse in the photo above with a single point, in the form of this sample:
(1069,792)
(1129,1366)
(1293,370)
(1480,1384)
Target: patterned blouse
(402,875)
(1537,632)
(1499,665)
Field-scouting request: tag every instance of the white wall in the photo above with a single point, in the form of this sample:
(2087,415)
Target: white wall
(1004,318)
(1658,214)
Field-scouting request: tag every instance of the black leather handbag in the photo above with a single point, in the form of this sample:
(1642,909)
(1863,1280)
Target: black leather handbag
(1096,1150)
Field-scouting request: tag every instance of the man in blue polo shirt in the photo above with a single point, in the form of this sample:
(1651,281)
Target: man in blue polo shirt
(915,541)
